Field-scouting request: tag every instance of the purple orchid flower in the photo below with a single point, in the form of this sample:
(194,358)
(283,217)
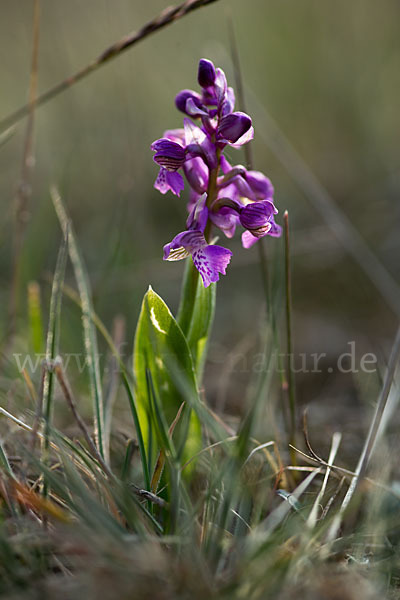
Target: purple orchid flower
(221,195)
(209,260)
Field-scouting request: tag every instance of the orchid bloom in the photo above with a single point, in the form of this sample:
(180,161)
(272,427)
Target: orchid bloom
(221,195)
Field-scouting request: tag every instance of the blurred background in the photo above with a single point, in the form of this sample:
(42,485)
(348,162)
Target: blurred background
(320,77)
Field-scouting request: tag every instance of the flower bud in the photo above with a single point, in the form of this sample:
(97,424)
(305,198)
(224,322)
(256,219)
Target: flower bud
(206,73)
(183,96)
(233,126)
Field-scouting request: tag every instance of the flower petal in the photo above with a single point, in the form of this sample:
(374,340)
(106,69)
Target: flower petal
(210,261)
(256,217)
(226,220)
(276,230)
(220,86)
(260,185)
(169,154)
(229,103)
(248,240)
(182,98)
(233,126)
(169,181)
(243,188)
(184,244)
(176,135)
(193,110)
(246,137)
(197,219)
(206,73)
(196,173)
(198,144)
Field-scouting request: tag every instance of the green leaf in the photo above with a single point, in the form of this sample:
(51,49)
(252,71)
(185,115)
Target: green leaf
(160,343)
(196,314)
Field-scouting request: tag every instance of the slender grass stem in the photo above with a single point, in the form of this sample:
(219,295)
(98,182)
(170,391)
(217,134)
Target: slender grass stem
(66,389)
(52,342)
(24,189)
(166,17)
(289,338)
(371,437)
(89,332)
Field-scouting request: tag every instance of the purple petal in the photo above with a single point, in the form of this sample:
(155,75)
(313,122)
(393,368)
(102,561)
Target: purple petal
(226,220)
(206,73)
(193,199)
(197,219)
(225,165)
(182,98)
(246,137)
(193,110)
(175,135)
(220,86)
(196,173)
(169,154)
(184,244)
(209,98)
(248,240)
(243,188)
(256,217)
(229,191)
(233,126)
(210,261)
(230,175)
(169,181)
(260,184)
(229,103)
(209,125)
(276,230)
(198,144)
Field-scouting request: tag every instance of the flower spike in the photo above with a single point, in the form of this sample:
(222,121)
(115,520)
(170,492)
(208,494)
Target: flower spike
(221,195)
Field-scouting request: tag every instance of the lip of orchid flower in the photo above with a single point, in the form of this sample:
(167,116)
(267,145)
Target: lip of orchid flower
(209,260)
(169,180)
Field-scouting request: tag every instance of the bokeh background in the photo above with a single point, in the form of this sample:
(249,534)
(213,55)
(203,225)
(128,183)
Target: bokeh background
(328,74)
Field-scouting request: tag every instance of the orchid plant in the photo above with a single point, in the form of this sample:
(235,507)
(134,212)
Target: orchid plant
(171,351)
(221,195)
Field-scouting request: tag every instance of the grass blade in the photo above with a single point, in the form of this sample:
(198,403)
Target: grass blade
(89,331)
(52,341)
